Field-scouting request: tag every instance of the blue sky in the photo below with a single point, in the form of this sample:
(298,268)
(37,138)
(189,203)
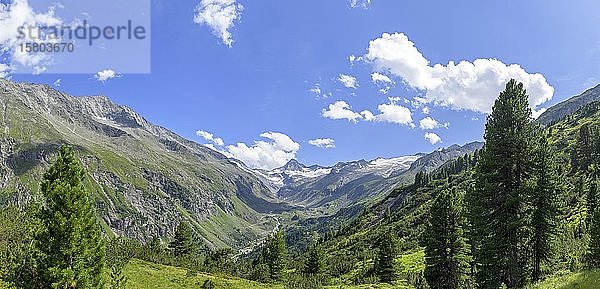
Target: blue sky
(281,51)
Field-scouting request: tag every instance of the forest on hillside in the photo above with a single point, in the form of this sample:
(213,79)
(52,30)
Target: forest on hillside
(522,209)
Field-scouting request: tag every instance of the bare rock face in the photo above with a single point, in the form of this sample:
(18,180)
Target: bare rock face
(143,178)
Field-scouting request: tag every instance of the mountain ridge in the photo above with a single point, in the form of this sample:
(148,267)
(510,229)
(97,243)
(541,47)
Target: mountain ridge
(330,188)
(569,106)
(144,179)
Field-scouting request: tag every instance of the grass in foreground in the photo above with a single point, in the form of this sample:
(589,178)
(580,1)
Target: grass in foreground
(580,280)
(145,275)
(368,286)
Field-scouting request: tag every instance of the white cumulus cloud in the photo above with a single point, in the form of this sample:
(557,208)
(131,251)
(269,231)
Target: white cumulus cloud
(428,123)
(106,75)
(377,77)
(348,81)
(220,16)
(322,142)
(431,123)
(341,110)
(210,137)
(274,152)
(382,81)
(390,112)
(432,138)
(466,85)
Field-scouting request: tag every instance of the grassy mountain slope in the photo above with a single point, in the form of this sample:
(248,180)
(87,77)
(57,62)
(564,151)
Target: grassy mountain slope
(301,233)
(405,210)
(144,178)
(569,106)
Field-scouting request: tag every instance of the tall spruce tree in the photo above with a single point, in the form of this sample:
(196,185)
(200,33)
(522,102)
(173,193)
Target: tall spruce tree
(119,252)
(596,150)
(593,256)
(69,237)
(384,264)
(447,254)
(544,199)
(182,243)
(499,210)
(276,256)
(592,198)
(584,148)
(313,264)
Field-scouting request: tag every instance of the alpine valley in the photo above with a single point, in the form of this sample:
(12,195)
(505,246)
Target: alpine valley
(170,208)
(145,179)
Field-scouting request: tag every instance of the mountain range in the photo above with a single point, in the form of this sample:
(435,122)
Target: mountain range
(329,189)
(144,179)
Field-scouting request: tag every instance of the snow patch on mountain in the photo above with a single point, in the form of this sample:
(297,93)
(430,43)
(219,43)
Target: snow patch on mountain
(295,173)
(385,167)
(308,172)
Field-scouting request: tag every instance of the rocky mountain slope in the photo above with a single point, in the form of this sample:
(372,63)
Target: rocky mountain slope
(569,106)
(144,178)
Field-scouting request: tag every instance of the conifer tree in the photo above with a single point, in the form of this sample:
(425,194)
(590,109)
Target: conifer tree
(313,264)
(544,201)
(119,251)
(593,257)
(447,256)
(69,237)
(596,150)
(182,243)
(584,148)
(384,265)
(592,198)
(498,207)
(260,269)
(154,247)
(276,256)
